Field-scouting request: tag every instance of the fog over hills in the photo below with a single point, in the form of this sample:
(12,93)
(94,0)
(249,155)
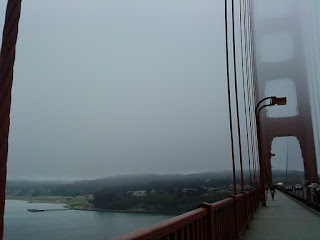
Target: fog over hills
(135,178)
(145,179)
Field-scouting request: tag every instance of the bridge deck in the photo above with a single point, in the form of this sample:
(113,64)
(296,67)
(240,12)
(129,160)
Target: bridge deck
(284,218)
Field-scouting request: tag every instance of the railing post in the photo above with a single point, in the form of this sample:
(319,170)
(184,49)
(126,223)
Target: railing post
(308,195)
(257,197)
(246,208)
(210,221)
(235,216)
(252,201)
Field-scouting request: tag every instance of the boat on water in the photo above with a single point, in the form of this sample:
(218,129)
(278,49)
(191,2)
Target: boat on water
(35,210)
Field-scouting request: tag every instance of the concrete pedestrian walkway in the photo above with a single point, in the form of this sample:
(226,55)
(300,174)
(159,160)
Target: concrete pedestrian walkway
(284,219)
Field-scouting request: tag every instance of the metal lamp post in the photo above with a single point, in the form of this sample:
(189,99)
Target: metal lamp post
(267,159)
(273,101)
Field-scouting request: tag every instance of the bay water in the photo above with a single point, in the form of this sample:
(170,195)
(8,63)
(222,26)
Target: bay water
(21,224)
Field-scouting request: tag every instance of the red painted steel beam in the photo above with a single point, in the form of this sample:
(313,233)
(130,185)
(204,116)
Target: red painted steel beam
(295,126)
(285,126)
(7,58)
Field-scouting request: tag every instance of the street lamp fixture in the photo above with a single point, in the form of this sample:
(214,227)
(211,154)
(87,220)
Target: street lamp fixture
(273,101)
(269,155)
(279,101)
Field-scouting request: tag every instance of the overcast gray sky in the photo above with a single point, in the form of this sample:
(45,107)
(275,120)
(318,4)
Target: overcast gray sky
(115,87)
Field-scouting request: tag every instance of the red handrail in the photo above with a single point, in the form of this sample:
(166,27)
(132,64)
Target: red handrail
(305,194)
(225,219)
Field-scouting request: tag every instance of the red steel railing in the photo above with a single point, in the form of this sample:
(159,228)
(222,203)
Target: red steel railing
(226,219)
(307,195)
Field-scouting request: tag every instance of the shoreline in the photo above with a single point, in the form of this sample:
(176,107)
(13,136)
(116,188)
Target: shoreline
(125,211)
(55,200)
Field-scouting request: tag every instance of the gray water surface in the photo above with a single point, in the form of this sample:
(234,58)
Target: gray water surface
(70,224)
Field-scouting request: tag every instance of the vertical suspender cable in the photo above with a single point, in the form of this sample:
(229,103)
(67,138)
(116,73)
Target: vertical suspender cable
(236,94)
(249,95)
(252,88)
(313,83)
(251,106)
(286,182)
(315,45)
(7,58)
(229,98)
(244,94)
(317,110)
(253,79)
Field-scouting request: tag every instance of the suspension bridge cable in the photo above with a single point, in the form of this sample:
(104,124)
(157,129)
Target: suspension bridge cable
(251,99)
(244,93)
(252,82)
(314,24)
(249,73)
(249,95)
(247,83)
(315,39)
(236,94)
(317,110)
(312,74)
(252,112)
(229,98)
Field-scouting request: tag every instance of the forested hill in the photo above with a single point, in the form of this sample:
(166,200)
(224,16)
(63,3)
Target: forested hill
(60,188)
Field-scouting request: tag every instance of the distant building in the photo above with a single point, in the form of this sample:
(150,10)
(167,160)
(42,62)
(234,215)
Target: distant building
(193,190)
(139,193)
